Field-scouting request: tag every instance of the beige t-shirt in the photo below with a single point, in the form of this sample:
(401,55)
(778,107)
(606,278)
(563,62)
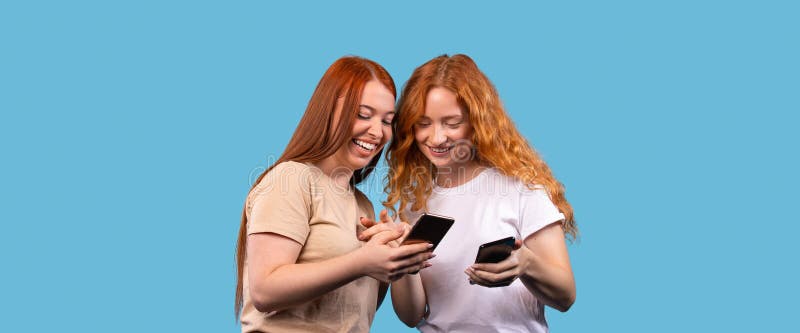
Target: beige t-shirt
(300,202)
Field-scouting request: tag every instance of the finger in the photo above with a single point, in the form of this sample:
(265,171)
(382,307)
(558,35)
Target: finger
(414,263)
(367,222)
(494,278)
(517,244)
(413,269)
(496,268)
(473,278)
(384,237)
(406,230)
(411,249)
(373,230)
(385,217)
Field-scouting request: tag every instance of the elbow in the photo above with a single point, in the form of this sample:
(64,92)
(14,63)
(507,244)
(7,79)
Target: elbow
(263,302)
(409,319)
(410,322)
(565,303)
(263,305)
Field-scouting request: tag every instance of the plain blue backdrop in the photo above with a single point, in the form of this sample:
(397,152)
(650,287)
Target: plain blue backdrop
(130,133)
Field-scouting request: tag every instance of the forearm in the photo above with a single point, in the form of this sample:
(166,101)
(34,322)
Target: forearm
(382,289)
(408,299)
(293,284)
(552,284)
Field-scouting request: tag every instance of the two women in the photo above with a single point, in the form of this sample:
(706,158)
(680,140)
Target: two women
(302,266)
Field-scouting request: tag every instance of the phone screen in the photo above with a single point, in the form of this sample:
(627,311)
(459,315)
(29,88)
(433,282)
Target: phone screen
(496,251)
(429,228)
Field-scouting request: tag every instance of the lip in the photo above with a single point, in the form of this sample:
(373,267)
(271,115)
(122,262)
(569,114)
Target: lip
(364,152)
(446,153)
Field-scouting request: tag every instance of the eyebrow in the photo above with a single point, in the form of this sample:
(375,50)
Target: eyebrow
(459,117)
(373,109)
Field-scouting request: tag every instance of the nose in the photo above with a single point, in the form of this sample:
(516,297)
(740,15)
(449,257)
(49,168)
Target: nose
(439,136)
(375,129)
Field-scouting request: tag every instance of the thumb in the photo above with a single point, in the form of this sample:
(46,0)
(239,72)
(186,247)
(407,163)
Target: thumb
(367,222)
(517,244)
(385,217)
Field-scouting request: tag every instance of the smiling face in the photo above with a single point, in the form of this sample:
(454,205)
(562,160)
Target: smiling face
(371,130)
(444,130)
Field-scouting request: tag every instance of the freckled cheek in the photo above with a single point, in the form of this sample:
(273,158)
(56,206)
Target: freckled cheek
(387,134)
(420,135)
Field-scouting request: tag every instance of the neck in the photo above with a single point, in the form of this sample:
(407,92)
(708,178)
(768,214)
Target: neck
(458,175)
(340,175)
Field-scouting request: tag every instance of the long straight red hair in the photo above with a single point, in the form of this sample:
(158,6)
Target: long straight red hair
(321,133)
(496,139)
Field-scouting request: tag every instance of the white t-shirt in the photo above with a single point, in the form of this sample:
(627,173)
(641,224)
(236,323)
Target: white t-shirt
(489,207)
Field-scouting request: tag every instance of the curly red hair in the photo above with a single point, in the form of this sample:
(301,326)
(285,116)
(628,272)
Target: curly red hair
(497,141)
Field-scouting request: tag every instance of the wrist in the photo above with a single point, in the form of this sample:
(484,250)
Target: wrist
(357,261)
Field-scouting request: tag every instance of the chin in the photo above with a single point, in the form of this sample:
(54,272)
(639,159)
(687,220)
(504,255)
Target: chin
(359,163)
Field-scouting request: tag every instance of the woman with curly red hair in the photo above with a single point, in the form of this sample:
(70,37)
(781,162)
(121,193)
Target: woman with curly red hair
(457,153)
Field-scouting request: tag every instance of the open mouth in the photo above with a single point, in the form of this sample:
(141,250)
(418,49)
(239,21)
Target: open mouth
(366,146)
(440,151)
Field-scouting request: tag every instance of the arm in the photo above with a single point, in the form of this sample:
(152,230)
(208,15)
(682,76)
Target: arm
(383,287)
(548,273)
(541,263)
(278,282)
(409,300)
(408,294)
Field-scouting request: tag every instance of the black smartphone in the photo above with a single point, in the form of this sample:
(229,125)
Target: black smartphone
(429,228)
(496,251)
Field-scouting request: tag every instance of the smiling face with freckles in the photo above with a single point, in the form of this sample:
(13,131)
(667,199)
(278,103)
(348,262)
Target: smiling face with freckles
(371,130)
(443,129)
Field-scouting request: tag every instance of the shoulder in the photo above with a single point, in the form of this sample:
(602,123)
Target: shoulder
(291,168)
(283,178)
(291,173)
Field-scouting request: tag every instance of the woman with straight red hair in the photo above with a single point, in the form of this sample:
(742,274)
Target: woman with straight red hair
(457,153)
(300,265)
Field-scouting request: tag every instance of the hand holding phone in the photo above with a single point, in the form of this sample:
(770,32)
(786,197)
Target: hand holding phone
(429,228)
(495,252)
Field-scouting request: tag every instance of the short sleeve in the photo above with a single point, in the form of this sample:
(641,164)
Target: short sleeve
(364,205)
(281,202)
(537,211)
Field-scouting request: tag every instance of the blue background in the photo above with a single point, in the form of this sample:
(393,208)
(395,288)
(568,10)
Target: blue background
(130,133)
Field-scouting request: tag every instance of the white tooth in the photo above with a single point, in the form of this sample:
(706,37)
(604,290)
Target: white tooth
(366,145)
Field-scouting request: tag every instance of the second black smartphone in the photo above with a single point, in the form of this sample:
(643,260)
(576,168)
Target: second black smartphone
(496,251)
(429,228)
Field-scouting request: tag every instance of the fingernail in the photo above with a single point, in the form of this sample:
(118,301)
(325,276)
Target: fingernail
(430,245)
(432,255)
